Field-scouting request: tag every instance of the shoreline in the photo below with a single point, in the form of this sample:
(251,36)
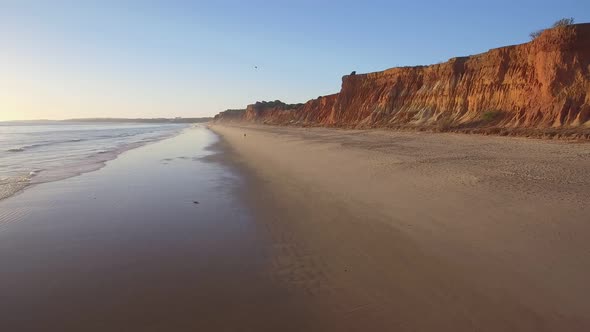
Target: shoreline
(99,160)
(376,233)
(126,247)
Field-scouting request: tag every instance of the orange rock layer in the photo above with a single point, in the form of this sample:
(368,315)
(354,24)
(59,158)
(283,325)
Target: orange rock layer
(541,85)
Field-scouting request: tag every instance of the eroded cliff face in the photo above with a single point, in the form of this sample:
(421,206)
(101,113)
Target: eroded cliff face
(271,112)
(236,115)
(543,84)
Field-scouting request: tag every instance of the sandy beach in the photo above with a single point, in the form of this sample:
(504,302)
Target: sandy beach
(405,231)
(262,228)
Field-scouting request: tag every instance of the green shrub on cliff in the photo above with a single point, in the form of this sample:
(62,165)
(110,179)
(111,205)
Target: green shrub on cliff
(536,34)
(277,103)
(564,22)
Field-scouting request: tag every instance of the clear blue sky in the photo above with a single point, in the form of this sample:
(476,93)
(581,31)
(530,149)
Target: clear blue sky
(195,58)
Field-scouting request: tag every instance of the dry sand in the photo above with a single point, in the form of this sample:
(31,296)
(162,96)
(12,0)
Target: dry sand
(389,231)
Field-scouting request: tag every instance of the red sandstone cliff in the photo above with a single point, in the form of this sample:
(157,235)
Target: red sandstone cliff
(236,115)
(542,85)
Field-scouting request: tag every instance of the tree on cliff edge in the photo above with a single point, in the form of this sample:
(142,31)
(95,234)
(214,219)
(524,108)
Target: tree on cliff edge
(564,22)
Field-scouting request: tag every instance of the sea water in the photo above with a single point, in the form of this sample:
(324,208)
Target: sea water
(32,153)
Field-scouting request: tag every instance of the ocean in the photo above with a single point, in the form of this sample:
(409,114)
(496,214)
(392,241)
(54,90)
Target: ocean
(32,153)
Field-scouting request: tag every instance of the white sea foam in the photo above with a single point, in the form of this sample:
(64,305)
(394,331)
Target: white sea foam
(31,154)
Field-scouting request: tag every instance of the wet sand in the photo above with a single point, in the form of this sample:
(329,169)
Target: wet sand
(381,230)
(125,248)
